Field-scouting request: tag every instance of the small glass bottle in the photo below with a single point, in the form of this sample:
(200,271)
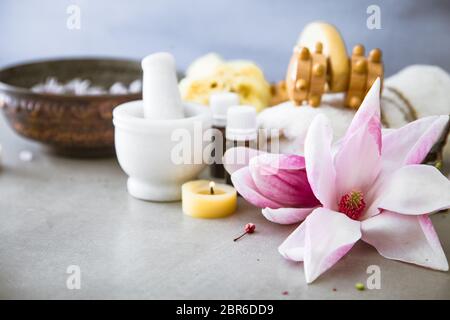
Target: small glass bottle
(219,104)
(241,131)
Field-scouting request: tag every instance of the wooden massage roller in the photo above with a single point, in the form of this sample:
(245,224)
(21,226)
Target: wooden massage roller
(320,64)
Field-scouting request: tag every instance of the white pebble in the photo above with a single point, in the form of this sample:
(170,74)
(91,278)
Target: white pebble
(135,86)
(118,88)
(38,88)
(72,84)
(79,86)
(95,91)
(82,87)
(53,86)
(26,155)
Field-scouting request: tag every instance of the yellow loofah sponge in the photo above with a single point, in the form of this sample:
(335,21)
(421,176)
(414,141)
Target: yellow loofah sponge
(210,74)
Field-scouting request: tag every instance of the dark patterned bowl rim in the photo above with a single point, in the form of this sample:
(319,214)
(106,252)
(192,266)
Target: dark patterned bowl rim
(16,89)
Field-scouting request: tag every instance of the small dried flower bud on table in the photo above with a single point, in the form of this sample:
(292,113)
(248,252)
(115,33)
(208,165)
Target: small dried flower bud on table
(248,228)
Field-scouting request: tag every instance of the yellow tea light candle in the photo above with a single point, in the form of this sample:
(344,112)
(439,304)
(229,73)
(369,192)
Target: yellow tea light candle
(206,199)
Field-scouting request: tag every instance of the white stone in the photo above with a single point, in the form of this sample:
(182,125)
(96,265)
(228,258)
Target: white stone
(26,155)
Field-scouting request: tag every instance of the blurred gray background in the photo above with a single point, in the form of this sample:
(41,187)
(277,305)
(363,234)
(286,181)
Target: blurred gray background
(261,30)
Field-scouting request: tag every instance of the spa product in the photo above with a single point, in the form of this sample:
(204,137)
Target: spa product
(73,125)
(364,71)
(206,199)
(159,141)
(212,74)
(160,92)
(415,92)
(219,104)
(333,47)
(319,62)
(278,93)
(306,76)
(241,130)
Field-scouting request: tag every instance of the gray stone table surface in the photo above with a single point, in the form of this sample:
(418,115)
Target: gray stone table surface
(56,212)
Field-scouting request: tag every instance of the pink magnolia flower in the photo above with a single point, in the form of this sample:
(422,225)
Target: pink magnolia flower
(370,187)
(275,182)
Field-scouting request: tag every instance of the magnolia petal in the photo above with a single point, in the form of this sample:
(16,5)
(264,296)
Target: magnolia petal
(281,161)
(286,215)
(238,157)
(416,190)
(411,143)
(409,239)
(357,163)
(293,247)
(283,178)
(243,182)
(373,196)
(319,161)
(329,235)
(368,114)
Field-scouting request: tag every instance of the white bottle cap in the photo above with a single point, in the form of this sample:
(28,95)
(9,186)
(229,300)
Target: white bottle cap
(241,124)
(219,103)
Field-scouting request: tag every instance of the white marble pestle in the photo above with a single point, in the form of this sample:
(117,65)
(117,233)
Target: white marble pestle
(162,99)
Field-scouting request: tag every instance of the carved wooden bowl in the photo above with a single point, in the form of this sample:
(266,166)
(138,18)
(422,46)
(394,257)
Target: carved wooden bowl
(73,125)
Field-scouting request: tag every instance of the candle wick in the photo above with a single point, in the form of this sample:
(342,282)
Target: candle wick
(211,187)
